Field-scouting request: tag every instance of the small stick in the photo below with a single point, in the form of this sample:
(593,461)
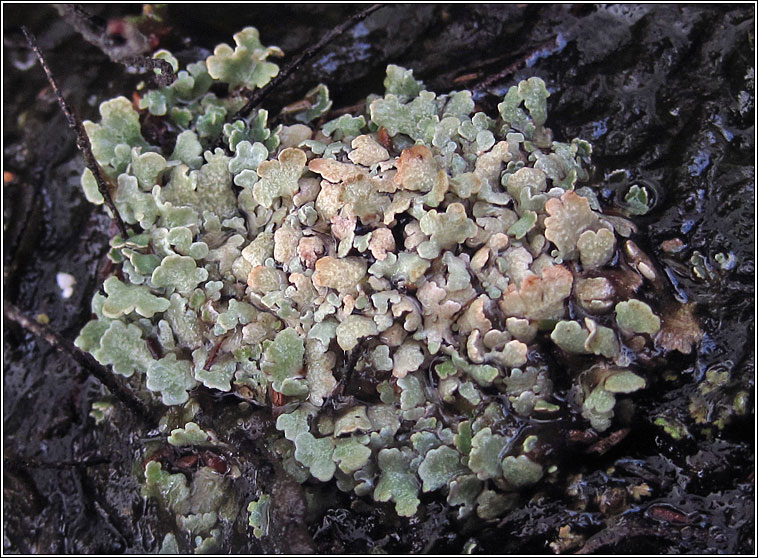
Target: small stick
(347,110)
(82,139)
(123,394)
(32,463)
(78,18)
(512,68)
(214,352)
(257,97)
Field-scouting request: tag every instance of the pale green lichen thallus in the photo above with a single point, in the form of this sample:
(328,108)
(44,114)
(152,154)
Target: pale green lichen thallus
(440,249)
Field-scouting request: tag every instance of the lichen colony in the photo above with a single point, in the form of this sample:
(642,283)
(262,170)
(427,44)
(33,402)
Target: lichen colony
(414,289)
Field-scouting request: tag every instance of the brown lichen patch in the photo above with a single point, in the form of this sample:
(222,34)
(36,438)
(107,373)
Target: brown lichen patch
(367,152)
(539,298)
(264,279)
(309,249)
(304,291)
(384,138)
(416,169)
(381,242)
(570,216)
(640,261)
(343,226)
(335,171)
(488,164)
(594,294)
(285,244)
(292,136)
(329,199)
(626,282)
(474,318)
(308,190)
(362,195)
(680,330)
(340,274)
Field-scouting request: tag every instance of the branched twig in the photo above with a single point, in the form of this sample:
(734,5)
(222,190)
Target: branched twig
(123,394)
(82,139)
(257,97)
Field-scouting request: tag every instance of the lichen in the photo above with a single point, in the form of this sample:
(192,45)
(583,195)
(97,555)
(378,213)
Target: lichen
(191,435)
(421,253)
(246,65)
(259,515)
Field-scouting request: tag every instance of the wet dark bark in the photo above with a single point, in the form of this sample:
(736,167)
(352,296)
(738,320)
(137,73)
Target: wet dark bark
(663,91)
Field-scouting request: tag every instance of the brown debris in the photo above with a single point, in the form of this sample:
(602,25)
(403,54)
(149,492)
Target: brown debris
(603,445)
(680,330)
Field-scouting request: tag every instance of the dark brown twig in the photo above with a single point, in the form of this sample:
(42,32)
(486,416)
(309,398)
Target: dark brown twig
(352,109)
(257,97)
(511,69)
(82,139)
(32,463)
(123,394)
(214,352)
(129,54)
(629,528)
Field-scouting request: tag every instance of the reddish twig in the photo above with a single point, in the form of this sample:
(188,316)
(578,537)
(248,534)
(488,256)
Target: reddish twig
(82,139)
(214,352)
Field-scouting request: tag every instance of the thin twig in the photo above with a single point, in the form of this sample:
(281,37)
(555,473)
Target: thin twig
(123,394)
(214,352)
(32,463)
(628,529)
(82,139)
(511,69)
(129,54)
(352,109)
(257,97)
